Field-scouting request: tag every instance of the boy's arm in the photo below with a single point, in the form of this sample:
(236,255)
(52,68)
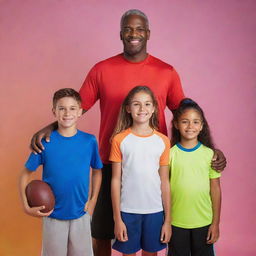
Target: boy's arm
(120,228)
(213,232)
(33,211)
(94,190)
(166,196)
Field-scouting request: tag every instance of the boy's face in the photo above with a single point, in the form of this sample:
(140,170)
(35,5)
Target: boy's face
(67,111)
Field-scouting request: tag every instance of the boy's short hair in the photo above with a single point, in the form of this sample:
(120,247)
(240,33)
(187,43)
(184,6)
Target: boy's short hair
(66,92)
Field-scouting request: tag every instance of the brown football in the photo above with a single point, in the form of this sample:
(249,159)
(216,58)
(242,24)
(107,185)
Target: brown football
(40,193)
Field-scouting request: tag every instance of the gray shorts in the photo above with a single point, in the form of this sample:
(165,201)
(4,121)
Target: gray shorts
(67,237)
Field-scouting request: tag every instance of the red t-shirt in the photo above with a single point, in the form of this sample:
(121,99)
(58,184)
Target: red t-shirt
(110,81)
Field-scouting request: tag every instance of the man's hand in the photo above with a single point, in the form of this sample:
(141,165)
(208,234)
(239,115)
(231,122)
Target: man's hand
(36,141)
(219,161)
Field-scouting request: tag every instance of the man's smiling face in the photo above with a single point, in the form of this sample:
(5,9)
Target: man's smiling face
(134,34)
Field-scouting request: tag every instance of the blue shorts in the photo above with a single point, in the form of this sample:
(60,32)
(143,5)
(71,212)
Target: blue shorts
(144,232)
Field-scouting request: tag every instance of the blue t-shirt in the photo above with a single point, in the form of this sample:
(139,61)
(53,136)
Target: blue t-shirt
(66,168)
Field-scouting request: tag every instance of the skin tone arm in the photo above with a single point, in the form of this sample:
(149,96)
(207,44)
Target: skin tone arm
(95,188)
(36,141)
(213,232)
(165,189)
(33,211)
(219,161)
(120,228)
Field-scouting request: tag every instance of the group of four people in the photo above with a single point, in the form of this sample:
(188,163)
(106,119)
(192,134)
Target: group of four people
(138,144)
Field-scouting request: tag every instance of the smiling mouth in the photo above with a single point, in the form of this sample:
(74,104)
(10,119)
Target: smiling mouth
(134,41)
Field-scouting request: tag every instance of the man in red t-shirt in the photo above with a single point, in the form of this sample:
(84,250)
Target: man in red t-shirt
(109,81)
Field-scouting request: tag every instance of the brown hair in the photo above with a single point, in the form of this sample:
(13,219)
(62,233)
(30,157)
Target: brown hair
(66,92)
(125,121)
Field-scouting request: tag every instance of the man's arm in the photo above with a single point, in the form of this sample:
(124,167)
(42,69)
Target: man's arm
(95,189)
(33,211)
(213,232)
(36,141)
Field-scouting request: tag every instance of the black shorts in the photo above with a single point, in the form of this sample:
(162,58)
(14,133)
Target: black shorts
(102,219)
(186,242)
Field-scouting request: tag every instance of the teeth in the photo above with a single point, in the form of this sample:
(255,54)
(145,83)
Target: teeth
(134,41)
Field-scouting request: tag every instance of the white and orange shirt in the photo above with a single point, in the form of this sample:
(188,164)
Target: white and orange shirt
(141,157)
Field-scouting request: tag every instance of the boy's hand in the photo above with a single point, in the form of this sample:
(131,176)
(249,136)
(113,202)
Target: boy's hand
(36,211)
(121,231)
(219,161)
(213,234)
(89,207)
(166,233)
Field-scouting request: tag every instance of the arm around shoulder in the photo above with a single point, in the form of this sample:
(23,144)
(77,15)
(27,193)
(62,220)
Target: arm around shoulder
(219,161)
(36,141)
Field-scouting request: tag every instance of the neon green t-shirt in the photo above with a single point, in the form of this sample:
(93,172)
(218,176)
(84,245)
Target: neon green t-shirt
(190,174)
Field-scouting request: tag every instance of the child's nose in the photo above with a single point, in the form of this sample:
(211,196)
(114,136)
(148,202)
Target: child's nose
(190,124)
(67,112)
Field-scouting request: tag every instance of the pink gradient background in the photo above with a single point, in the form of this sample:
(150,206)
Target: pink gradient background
(49,44)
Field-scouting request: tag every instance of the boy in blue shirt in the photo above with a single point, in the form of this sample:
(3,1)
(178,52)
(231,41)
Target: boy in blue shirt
(66,168)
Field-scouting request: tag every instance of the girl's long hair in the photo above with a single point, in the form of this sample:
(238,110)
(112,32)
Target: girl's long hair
(204,136)
(125,121)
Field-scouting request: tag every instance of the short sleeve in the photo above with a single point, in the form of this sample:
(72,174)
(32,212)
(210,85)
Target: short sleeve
(95,160)
(213,174)
(34,161)
(175,92)
(115,152)
(89,91)
(164,159)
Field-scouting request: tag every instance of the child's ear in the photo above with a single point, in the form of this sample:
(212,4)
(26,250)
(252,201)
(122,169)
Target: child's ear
(53,111)
(80,112)
(202,126)
(128,109)
(175,123)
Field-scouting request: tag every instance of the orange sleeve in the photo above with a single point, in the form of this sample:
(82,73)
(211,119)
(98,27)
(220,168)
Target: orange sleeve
(115,152)
(164,159)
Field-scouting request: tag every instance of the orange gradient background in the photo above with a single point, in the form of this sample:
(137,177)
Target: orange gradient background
(46,45)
